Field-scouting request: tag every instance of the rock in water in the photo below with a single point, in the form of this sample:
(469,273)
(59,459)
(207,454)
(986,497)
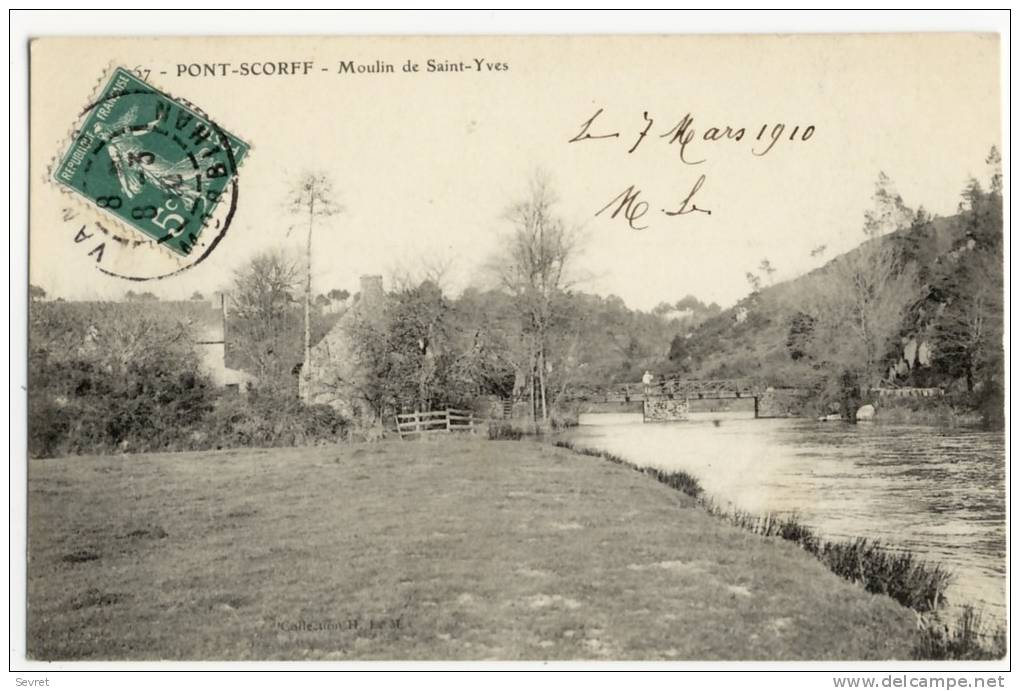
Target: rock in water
(866,412)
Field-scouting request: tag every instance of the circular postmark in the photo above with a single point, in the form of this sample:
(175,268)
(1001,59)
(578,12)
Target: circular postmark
(159,177)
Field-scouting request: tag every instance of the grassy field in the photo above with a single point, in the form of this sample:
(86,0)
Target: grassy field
(456,549)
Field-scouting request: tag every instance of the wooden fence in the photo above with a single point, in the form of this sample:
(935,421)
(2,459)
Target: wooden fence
(436,421)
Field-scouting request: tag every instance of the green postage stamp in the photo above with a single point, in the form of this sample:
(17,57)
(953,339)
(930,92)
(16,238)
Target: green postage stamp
(158,164)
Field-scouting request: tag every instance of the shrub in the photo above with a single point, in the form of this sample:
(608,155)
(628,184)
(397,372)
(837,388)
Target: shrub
(262,419)
(503,429)
(107,377)
(563,417)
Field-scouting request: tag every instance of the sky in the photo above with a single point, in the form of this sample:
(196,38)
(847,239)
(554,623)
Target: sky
(425,164)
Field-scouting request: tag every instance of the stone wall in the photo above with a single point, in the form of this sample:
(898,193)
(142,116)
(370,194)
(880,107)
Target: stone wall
(666,409)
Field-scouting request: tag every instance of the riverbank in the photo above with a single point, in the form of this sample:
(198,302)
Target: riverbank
(452,549)
(939,412)
(881,569)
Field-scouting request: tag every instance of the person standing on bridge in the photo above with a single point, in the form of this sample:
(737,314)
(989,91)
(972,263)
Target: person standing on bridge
(647,380)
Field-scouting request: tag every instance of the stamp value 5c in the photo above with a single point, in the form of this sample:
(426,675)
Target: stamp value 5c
(157,164)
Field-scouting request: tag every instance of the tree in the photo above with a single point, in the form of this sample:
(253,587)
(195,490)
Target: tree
(311,197)
(767,268)
(534,268)
(36,293)
(338,295)
(261,297)
(798,338)
(679,353)
(369,372)
(487,327)
(197,296)
(968,332)
(968,329)
(434,270)
(420,343)
(860,306)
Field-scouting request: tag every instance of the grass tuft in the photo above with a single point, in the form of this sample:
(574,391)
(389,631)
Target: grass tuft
(80,556)
(968,639)
(93,597)
(900,575)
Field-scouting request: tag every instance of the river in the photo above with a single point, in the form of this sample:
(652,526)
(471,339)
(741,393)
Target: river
(938,493)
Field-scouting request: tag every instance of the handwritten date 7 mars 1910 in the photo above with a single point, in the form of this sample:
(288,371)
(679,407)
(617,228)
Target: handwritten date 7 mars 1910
(687,139)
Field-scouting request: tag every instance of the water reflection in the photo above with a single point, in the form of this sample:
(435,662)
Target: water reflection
(939,493)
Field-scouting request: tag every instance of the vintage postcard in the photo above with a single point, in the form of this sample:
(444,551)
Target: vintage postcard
(562,348)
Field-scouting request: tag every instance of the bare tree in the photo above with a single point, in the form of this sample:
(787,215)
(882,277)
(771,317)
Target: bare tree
(434,269)
(753,280)
(261,297)
(860,305)
(311,197)
(534,267)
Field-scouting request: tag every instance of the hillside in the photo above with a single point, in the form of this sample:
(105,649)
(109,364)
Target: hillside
(762,336)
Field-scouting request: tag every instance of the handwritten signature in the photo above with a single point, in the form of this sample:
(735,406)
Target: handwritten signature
(628,204)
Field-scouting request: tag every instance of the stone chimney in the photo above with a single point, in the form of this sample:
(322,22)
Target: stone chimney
(371,293)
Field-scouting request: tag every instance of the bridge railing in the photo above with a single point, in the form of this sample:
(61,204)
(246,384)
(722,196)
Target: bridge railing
(687,388)
(680,387)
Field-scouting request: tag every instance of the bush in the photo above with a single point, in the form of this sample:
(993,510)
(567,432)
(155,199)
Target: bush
(503,429)
(109,377)
(990,402)
(48,427)
(262,419)
(106,377)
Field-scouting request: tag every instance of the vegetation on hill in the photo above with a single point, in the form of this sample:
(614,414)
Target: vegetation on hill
(919,303)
